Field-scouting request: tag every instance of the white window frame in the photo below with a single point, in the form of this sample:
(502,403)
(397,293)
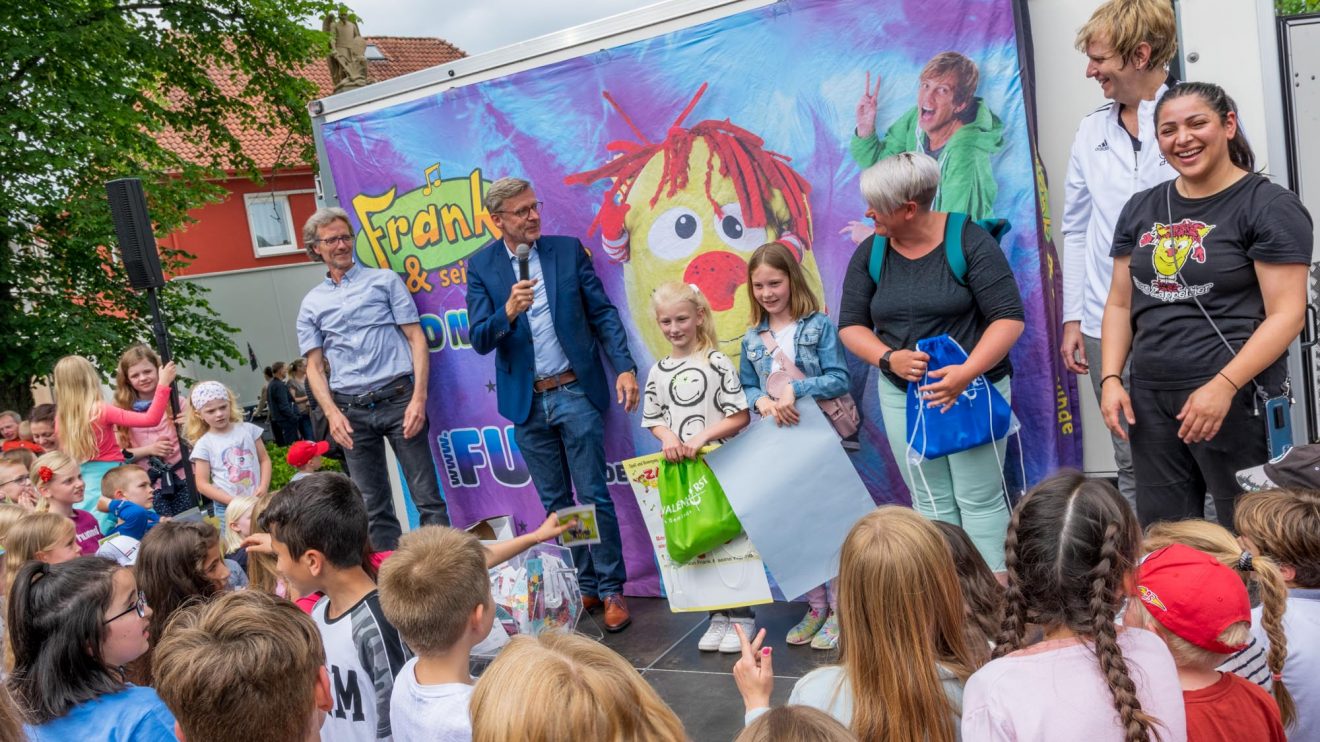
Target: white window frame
(278,198)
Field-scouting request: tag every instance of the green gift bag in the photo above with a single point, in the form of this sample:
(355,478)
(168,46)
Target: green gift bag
(695,511)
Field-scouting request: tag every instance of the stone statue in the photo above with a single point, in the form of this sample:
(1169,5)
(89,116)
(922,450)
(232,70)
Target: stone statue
(348,53)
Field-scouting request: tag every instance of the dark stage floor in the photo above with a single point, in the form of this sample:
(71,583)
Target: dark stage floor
(699,685)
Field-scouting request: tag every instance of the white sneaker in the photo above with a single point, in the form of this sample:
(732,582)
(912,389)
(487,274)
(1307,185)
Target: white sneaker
(713,639)
(731,644)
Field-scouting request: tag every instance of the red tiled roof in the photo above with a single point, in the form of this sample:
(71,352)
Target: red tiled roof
(402,55)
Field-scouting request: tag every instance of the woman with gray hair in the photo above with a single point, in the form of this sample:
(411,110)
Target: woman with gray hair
(917,294)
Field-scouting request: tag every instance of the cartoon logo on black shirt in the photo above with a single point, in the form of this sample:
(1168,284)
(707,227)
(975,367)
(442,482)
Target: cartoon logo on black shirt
(1172,245)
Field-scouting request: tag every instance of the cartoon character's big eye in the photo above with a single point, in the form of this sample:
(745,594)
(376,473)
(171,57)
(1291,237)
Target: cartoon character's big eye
(675,234)
(735,233)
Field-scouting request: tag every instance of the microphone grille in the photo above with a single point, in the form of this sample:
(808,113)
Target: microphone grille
(522,251)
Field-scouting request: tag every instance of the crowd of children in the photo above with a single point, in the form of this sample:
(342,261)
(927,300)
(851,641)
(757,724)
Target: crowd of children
(1094,641)
(136,626)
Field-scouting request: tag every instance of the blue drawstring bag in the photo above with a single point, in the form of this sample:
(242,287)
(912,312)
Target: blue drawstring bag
(980,415)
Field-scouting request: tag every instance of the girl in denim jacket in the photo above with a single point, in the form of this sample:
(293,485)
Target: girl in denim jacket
(784,307)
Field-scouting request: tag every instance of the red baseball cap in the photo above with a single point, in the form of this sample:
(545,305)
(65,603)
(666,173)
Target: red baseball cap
(15,445)
(302,452)
(1193,595)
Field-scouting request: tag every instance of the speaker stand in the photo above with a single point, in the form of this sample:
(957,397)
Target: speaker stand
(163,348)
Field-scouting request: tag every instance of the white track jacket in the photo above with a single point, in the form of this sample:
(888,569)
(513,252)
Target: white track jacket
(1103,173)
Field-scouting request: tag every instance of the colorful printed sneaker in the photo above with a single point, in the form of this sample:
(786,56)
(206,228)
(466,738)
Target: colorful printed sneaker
(807,627)
(719,626)
(731,644)
(828,637)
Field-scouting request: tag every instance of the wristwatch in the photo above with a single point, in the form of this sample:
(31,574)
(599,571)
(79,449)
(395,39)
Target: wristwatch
(884,361)
(128,455)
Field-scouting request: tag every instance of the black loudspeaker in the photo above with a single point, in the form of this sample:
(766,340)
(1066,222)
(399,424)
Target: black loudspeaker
(137,244)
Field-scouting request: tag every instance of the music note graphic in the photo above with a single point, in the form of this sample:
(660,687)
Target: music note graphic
(431,184)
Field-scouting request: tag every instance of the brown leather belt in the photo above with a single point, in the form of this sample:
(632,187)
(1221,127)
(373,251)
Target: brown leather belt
(554,382)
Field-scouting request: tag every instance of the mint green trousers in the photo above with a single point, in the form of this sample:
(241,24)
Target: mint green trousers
(965,489)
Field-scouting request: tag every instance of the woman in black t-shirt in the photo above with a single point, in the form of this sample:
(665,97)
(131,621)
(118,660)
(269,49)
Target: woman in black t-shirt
(919,297)
(1208,290)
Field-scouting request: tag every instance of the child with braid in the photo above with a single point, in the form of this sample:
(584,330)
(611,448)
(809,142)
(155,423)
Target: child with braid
(1285,525)
(1071,553)
(1262,660)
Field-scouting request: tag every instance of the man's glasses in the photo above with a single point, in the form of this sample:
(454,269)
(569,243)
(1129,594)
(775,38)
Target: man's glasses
(139,606)
(343,239)
(22,481)
(525,211)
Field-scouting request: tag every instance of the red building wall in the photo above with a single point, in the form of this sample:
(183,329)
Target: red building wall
(221,238)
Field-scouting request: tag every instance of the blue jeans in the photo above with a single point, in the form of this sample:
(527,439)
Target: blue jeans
(372,425)
(285,431)
(563,439)
(305,427)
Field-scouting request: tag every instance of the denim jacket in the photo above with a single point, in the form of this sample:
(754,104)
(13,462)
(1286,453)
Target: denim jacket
(819,356)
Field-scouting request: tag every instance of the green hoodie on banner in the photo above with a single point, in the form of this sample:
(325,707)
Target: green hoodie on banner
(967,183)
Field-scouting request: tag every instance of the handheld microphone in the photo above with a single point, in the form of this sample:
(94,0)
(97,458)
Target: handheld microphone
(522,251)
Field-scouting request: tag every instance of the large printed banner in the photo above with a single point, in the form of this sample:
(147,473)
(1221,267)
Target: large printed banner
(672,159)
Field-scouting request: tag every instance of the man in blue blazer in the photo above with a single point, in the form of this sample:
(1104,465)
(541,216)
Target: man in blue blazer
(547,333)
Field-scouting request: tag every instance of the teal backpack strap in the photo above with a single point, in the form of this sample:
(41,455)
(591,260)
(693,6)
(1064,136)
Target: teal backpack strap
(953,234)
(953,245)
(878,246)
(953,248)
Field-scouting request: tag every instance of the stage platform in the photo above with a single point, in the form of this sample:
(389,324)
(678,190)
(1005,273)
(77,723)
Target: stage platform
(699,685)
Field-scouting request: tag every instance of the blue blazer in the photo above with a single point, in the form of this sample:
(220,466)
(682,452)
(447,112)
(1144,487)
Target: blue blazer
(585,322)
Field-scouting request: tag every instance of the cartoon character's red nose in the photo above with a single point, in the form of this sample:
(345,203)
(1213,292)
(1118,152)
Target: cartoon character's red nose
(718,275)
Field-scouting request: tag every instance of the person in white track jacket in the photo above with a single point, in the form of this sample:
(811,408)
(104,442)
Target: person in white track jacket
(1128,44)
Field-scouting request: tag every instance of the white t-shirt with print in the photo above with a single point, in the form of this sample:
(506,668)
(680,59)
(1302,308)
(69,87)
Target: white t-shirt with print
(429,713)
(363,655)
(784,338)
(687,395)
(232,455)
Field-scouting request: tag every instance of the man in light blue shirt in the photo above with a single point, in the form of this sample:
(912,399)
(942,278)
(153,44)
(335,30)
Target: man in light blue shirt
(364,324)
(549,354)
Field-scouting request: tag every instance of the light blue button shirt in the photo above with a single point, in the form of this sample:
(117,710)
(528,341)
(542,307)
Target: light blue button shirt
(550,358)
(356,324)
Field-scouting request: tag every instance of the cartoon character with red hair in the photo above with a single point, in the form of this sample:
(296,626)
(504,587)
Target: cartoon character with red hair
(693,207)
(1174,245)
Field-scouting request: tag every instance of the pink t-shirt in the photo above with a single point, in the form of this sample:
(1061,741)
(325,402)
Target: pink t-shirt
(1055,690)
(87,532)
(165,429)
(108,416)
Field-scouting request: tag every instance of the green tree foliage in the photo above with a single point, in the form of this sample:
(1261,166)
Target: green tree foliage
(86,88)
(1296,7)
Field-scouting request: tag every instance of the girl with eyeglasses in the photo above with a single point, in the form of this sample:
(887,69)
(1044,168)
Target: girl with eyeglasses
(72,628)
